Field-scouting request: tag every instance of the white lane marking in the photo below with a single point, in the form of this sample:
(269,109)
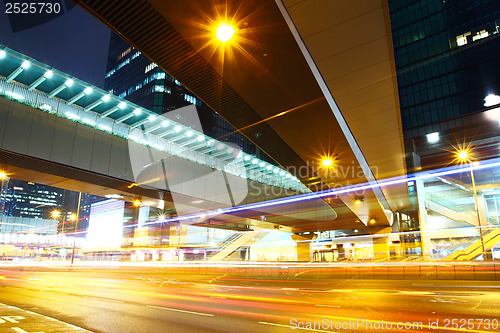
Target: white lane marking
(328,306)
(415,292)
(344,290)
(273,324)
(20,330)
(290,327)
(102,299)
(178,310)
(50,318)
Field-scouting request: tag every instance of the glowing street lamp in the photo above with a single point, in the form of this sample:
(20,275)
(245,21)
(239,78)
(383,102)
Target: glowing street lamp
(463,156)
(55,214)
(5,180)
(137,203)
(74,217)
(224,32)
(327,162)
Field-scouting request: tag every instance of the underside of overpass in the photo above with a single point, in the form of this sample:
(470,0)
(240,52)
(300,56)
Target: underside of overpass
(39,156)
(303,80)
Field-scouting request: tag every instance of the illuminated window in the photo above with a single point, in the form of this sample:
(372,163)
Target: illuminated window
(480,34)
(159,89)
(191,99)
(477,34)
(150,67)
(124,53)
(462,39)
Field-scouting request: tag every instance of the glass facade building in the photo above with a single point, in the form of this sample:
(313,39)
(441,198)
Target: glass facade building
(23,199)
(446,55)
(132,76)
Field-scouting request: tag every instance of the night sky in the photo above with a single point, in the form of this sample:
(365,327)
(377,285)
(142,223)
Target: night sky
(74,42)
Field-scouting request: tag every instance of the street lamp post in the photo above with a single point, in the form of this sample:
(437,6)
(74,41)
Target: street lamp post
(55,214)
(463,156)
(5,182)
(75,218)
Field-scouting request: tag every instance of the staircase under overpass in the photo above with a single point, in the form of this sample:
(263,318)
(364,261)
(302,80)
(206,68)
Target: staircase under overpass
(490,239)
(230,247)
(450,210)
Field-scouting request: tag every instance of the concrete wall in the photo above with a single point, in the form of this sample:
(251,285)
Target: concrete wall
(290,271)
(35,133)
(31,132)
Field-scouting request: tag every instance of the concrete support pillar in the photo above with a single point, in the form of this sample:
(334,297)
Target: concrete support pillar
(304,245)
(425,233)
(483,221)
(381,250)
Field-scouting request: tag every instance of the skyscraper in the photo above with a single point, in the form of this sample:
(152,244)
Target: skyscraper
(446,55)
(132,76)
(26,199)
(31,200)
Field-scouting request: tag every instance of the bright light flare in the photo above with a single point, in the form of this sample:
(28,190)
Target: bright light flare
(463,155)
(55,214)
(137,203)
(3,175)
(491,100)
(327,162)
(433,137)
(224,32)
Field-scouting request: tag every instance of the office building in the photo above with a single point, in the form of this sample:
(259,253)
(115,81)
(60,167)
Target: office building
(132,76)
(446,55)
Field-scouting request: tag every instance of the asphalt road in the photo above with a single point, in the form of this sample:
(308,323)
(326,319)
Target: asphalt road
(108,301)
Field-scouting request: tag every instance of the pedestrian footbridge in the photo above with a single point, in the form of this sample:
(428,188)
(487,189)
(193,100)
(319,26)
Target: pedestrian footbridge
(58,130)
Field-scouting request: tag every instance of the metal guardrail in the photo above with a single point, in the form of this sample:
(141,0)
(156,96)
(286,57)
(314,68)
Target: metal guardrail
(449,204)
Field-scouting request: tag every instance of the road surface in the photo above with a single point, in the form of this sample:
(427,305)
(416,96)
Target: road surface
(104,300)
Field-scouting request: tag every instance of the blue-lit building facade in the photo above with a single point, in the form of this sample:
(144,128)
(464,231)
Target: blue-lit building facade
(132,76)
(23,199)
(446,55)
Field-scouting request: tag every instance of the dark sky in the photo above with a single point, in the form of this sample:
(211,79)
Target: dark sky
(75,42)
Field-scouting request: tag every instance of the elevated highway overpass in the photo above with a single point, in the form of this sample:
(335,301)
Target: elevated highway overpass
(304,80)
